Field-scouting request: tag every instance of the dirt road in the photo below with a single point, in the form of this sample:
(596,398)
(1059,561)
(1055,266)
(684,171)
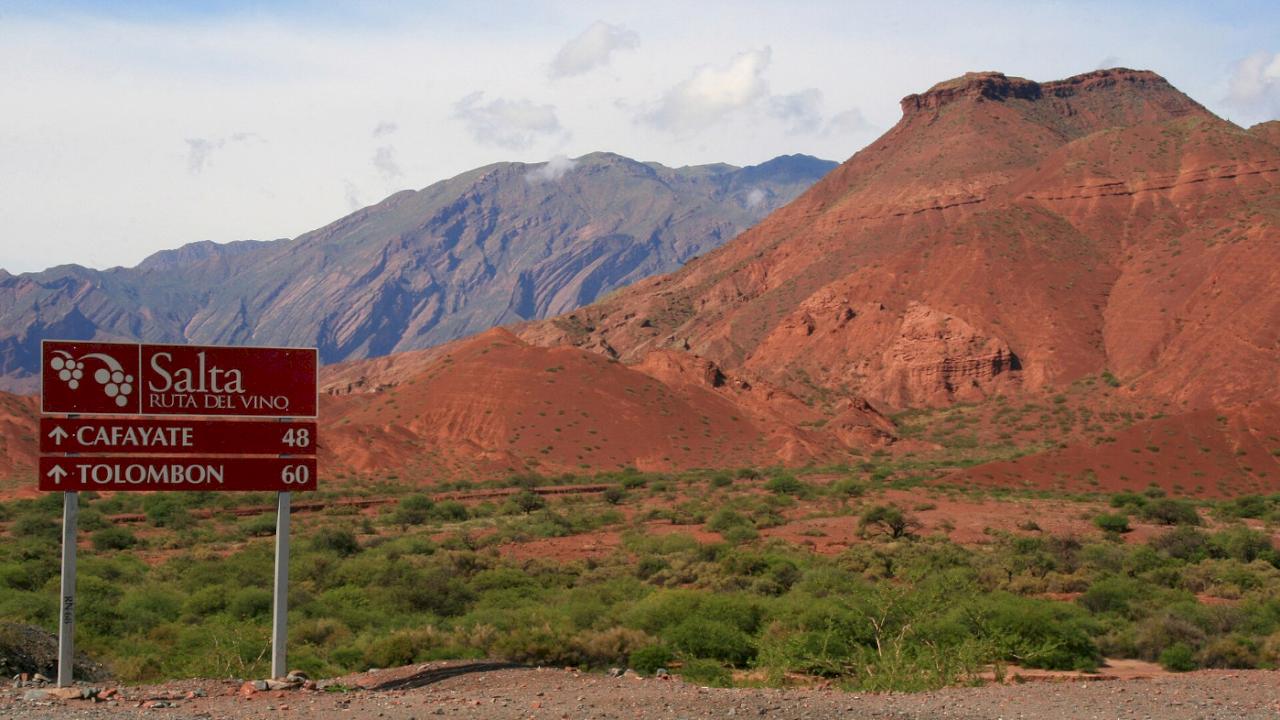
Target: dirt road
(467,691)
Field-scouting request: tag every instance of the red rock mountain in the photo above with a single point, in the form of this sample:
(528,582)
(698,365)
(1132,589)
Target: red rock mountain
(1004,234)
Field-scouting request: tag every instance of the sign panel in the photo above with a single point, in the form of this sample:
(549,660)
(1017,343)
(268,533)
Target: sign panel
(70,474)
(183,437)
(125,378)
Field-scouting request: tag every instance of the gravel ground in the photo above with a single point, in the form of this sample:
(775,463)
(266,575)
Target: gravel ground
(453,691)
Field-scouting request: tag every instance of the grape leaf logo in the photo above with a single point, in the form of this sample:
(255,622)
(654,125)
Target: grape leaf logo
(115,383)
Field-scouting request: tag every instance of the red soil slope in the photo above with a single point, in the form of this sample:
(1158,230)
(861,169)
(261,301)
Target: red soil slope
(18,424)
(494,404)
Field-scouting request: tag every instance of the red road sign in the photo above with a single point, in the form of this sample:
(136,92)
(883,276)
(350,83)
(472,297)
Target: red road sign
(179,437)
(128,378)
(66,474)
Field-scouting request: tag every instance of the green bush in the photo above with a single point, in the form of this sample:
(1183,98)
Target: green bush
(250,602)
(647,660)
(336,540)
(450,511)
(1112,523)
(413,510)
(614,495)
(701,637)
(1168,511)
(786,484)
(706,672)
(113,538)
(1184,543)
(1178,658)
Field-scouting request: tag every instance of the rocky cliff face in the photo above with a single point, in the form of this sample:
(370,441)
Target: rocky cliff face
(1004,234)
(503,243)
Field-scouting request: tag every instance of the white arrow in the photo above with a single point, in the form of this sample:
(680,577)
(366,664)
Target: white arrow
(58,434)
(57,473)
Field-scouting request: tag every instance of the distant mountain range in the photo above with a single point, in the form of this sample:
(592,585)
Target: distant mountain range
(502,243)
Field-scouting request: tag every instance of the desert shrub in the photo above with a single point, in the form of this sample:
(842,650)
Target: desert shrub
(721,479)
(614,495)
(1112,595)
(1242,544)
(413,509)
(702,637)
(648,659)
(1180,624)
(113,538)
(1183,543)
(786,484)
(146,607)
(35,527)
(250,602)
(706,672)
(167,510)
(263,525)
(1037,633)
(848,487)
(733,526)
(1246,506)
(1227,653)
(887,520)
(205,601)
(1168,511)
(1130,500)
(1178,658)
(527,502)
(341,541)
(1112,523)
(450,511)
(610,646)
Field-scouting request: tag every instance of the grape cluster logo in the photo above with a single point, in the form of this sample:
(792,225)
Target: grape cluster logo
(115,382)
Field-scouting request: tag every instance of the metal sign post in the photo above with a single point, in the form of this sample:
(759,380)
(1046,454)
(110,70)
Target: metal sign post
(280,601)
(67,610)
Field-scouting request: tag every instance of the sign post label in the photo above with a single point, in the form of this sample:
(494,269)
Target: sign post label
(71,474)
(187,437)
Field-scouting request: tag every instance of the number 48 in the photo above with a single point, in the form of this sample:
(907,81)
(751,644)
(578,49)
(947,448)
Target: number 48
(300,437)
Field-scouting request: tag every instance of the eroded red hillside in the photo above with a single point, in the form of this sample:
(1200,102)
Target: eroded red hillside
(495,404)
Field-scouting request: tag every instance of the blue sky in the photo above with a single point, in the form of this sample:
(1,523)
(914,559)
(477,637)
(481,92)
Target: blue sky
(136,126)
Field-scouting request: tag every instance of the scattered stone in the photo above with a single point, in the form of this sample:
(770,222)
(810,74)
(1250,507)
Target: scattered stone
(616,672)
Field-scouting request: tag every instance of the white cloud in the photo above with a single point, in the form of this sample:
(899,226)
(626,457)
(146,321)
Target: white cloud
(510,124)
(1255,85)
(1108,62)
(713,93)
(552,170)
(201,150)
(351,193)
(801,111)
(755,198)
(384,161)
(848,122)
(592,49)
(386,127)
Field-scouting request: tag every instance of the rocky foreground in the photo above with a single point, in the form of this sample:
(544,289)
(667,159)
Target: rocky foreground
(480,690)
